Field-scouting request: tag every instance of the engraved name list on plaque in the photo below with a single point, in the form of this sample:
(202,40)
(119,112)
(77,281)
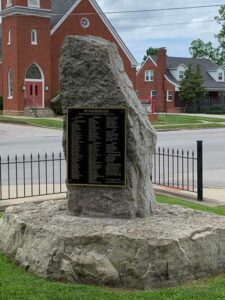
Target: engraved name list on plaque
(96,147)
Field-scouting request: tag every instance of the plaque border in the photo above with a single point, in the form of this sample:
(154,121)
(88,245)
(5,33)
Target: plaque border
(125,144)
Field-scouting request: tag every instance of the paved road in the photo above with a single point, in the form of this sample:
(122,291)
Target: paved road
(213,151)
(17,139)
(23,139)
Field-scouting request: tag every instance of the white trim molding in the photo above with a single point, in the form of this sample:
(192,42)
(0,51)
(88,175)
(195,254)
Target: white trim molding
(169,93)
(26,11)
(141,67)
(170,81)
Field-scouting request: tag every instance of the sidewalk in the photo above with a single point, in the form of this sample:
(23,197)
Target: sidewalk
(212,197)
(218,116)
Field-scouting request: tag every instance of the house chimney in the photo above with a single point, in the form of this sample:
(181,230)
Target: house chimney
(160,72)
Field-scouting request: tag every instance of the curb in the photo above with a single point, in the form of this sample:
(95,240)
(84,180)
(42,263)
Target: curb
(38,199)
(179,194)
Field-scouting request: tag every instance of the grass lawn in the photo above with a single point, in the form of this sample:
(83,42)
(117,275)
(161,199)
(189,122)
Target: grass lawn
(33,121)
(184,121)
(16,284)
(164,122)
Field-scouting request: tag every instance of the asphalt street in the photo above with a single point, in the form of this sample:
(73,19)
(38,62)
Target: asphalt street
(20,140)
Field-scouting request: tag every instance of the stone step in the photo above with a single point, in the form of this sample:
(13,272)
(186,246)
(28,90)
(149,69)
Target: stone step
(38,112)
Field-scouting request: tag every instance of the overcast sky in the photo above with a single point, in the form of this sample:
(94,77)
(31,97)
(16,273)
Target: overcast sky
(141,30)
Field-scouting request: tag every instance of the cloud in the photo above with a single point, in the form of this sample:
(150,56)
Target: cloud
(173,29)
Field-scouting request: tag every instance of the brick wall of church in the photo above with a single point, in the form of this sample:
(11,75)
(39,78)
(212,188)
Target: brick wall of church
(21,54)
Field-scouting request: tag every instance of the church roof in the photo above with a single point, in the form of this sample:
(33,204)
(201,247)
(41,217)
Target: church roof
(59,10)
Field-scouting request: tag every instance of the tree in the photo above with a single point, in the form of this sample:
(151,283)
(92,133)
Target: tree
(199,49)
(191,90)
(150,51)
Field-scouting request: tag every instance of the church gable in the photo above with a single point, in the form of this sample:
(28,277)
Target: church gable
(94,17)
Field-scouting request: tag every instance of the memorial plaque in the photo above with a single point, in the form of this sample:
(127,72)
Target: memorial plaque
(96,147)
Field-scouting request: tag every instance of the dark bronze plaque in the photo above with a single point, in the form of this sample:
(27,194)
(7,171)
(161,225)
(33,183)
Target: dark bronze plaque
(96,147)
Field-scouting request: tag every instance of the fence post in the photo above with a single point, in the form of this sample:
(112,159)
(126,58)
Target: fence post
(200,170)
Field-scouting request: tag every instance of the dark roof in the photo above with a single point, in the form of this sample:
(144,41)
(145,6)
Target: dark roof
(59,8)
(205,64)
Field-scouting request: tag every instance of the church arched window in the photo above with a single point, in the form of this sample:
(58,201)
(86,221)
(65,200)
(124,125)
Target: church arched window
(9,37)
(33,37)
(10,84)
(33,72)
(9,3)
(34,3)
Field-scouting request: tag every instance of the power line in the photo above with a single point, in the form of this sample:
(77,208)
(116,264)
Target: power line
(142,10)
(168,24)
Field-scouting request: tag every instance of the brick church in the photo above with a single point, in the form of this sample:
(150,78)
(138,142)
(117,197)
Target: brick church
(32,36)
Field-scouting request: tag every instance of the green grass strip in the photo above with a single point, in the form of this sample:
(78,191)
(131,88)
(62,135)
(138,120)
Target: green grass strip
(35,122)
(174,201)
(185,119)
(189,126)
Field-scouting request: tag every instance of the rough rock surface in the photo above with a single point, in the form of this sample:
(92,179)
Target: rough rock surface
(173,245)
(93,75)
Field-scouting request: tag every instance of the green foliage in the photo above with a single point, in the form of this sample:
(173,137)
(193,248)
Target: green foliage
(192,91)
(1,103)
(217,109)
(199,49)
(150,51)
(56,105)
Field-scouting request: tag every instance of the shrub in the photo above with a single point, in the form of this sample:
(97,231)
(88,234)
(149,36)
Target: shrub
(56,104)
(205,110)
(1,103)
(217,109)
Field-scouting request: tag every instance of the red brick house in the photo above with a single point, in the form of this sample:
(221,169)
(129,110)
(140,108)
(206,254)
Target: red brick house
(159,77)
(32,35)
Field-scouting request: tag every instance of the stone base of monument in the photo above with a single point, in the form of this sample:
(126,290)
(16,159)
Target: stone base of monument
(172,246)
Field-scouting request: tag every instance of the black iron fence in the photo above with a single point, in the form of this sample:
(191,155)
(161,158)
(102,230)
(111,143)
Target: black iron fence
(179,169)
(29,176)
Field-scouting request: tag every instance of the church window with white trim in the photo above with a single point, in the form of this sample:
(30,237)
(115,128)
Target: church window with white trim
(9,37)
(34,3)
(10,84)
(9,3)
(33,37)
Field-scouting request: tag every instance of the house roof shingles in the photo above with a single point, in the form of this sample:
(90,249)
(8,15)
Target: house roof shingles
(205,64)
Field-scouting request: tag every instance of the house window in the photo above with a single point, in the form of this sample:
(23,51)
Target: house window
(34,37)
(9,37)
(169,97)
(9,3)
(220,76)
(10,84)
(34,3)
(146,107)
(149,75)
(153,94)
(181,75)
